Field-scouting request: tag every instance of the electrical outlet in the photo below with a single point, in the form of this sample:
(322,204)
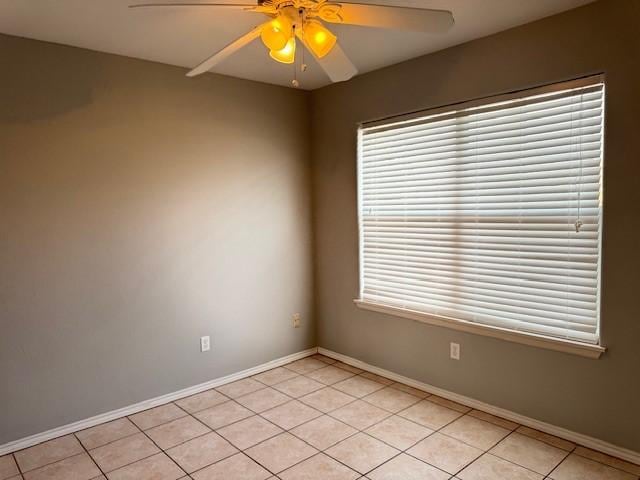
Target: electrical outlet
(296,320)
(205,344)
(454,351)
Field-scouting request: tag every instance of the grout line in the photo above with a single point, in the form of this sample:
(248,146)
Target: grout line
(47,464)
(175,402)
(574,451)
(147,410)
(112,441)
(90,457)
(162,451)
(543,438)
(131,463)
(560,463)
(15,460)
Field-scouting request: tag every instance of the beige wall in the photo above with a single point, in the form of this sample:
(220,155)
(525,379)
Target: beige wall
(594,397)
(140,210)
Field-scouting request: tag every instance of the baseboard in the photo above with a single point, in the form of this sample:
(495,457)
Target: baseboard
(578,438)
(574,437)
(146,404)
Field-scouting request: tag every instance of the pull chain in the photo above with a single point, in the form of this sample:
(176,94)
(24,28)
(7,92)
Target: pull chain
(295,81)
(303,65)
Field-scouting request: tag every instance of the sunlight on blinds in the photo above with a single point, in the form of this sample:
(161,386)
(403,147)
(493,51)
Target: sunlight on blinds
(489,214)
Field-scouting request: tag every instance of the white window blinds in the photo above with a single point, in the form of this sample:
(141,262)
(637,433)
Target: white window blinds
(489,214)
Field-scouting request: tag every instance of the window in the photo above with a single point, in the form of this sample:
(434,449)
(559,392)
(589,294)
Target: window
(488,214)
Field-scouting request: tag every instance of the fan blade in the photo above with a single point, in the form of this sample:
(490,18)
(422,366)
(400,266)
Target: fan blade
(153,5)
(336,64)
(227,51)
(384,16)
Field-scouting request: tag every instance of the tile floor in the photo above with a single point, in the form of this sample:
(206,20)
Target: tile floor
(313,419)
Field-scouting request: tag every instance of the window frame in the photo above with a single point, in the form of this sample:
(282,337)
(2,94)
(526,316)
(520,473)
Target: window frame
(527,338)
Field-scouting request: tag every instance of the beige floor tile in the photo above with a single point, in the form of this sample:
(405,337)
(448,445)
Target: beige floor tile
(201,401)
(404,467)
(319,467)
(157,467)
(399,432)
(223,414)
(413,391)
(608,460)
(240,388)
(444,452)
(176,432)
(78,467)
(299,386)
(327,399)
(323,358)
(107,432)
(458,407)
(546,438)
(475,432)
(248,432)
(330,375)
(277,375)
(262,400)
(281,452)
(8,467)
(358,386)
(489,467)
(487,417)
(348,368)
(360,414)
(391,399)
(157,416)
(202,451)
(124,451)
(323,432)
(377,378)
(291,414)
(362,452)
(48,452)
(237,467)
(430,415)
(529,453)
(306,365)
(575,467)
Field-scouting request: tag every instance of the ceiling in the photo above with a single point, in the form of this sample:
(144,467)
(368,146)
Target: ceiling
(186,36)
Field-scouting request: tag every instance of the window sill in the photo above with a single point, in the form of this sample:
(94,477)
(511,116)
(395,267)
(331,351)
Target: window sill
(557,344)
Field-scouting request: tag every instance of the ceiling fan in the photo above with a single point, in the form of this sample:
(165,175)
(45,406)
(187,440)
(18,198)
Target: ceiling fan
(291,21)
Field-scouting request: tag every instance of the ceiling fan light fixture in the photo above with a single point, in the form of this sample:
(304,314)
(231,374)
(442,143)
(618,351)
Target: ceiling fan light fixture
(276,33)
(318,38)
(286,54)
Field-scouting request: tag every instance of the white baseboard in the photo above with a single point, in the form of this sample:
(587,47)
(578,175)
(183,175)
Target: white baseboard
(578,438)
(575,437)
(146,404)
